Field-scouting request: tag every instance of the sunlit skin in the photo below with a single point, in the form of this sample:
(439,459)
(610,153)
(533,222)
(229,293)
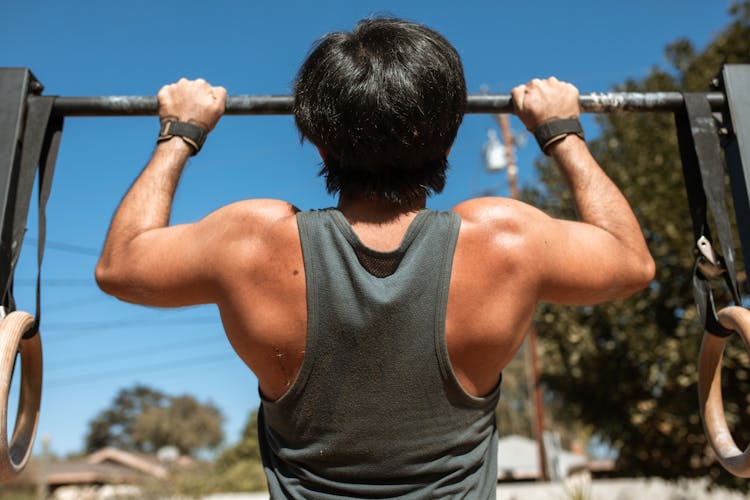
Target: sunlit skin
(246,257)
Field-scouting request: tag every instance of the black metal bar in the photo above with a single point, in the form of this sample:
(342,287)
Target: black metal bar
(612,102)
(736,82)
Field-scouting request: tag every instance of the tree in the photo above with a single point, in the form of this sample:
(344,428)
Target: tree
(144,419)
(629,369)
(184,423)
(114,425)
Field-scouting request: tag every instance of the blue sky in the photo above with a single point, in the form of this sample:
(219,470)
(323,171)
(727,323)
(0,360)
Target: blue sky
(95,345)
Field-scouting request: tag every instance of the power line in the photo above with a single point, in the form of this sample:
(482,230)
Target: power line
(56,282)
(96,358)
(69,303)
(64,247)
(127,322)
(89,328)
(149,369)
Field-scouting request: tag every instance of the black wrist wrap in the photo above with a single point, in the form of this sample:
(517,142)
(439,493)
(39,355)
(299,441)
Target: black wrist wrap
(188,132)
(555,130)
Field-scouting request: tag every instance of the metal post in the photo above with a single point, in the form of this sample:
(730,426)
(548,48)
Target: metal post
(736,83)
(15,86)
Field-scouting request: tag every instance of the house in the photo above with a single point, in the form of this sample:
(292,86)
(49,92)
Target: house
(107,473)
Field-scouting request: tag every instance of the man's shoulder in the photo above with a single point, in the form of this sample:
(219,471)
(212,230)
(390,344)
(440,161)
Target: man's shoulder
(505,228)
(257,211)
(252,221)
(494,213)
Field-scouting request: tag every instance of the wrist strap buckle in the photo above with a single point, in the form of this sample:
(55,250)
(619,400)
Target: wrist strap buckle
(191,133)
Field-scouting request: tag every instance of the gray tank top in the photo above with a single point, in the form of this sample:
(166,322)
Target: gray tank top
(376,410)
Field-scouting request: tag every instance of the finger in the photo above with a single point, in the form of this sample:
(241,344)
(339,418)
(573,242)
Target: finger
(220,92)
(569,88)
(517,95)
(221,95)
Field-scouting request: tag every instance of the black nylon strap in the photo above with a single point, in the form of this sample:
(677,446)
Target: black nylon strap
(552,131)
(46,173)
(194,135)
(42,134)
(705,184)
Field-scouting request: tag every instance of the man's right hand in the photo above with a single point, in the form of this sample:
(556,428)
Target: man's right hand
(194,101)
(542,100)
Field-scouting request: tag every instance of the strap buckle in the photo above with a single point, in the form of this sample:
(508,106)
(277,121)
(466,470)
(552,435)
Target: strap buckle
(708,262)
(192,134)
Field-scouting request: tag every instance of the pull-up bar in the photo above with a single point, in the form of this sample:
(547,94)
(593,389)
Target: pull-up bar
(613,102)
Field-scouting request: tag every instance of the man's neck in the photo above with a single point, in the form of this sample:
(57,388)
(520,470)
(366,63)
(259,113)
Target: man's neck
(378,223)
(361,209)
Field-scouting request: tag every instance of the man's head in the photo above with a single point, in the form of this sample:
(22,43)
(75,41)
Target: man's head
(383,104)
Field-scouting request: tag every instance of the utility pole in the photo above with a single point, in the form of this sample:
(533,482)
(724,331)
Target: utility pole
(41,487)
(535,390)
(504,124)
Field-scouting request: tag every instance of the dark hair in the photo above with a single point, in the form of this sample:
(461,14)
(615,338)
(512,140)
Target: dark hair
(383,103)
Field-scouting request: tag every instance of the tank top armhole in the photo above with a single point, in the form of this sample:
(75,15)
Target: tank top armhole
(300,381)
(455,391)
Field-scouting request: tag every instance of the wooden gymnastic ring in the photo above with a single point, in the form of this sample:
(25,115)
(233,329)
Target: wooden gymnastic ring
(15,454)
(709,392)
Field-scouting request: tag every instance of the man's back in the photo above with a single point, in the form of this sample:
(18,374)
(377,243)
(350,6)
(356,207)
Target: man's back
(263,304)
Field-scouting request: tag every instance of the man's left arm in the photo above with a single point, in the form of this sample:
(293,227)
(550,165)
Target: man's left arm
(144,260)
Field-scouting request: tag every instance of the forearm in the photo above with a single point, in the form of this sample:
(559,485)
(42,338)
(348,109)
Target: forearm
(598,201)
(148,203)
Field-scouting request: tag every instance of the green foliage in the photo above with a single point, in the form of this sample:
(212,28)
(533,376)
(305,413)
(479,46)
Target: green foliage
(18,492)
(629,369)
(515,413)
(143,419)
(240,466)
(196,481)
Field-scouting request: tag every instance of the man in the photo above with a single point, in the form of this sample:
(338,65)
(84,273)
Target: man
(378,330)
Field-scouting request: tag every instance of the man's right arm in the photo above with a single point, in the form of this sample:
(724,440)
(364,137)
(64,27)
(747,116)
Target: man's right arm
(602,256)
